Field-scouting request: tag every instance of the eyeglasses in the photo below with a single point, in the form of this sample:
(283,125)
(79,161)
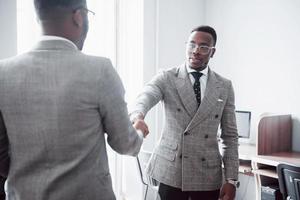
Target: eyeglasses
(202,49)
(89,12)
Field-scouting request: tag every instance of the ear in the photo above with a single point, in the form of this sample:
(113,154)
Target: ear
(212,53)
(77,18)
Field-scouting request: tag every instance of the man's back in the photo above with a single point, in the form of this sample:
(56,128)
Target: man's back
(56,104)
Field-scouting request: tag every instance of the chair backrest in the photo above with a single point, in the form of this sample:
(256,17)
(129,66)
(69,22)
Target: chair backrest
(142,161)
(289,181)
(141,167)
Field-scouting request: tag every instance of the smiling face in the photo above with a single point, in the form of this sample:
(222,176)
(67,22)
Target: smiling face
(194,49)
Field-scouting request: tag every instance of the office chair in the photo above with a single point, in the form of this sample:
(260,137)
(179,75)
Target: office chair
(151,185)
(289,181)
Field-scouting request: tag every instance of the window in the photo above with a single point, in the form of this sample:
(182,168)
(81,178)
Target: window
(27,26)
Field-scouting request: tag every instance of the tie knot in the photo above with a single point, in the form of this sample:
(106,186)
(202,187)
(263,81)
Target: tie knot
(197,75)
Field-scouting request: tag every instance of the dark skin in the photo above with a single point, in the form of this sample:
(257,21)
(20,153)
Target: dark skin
(199,62)
(196,60)
(227,192)
(66,23)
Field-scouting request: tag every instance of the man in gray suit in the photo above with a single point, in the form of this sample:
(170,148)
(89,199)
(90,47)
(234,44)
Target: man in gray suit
(187,161)
(56,106)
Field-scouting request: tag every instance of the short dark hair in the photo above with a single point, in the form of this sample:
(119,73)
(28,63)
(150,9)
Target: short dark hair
(46,7)
(207,29)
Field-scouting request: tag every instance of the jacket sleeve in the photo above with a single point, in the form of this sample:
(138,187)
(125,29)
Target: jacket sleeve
(152,93)
(4,155)
(229,136)
(121,135)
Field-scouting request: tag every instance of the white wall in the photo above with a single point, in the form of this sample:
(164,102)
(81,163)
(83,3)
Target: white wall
(167,24)
(258,50)
(8,33)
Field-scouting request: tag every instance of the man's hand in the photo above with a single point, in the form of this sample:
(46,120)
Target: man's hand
(227,192)
(139,124)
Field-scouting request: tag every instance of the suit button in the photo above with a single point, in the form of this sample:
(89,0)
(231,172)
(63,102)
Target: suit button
(178,109)
(186,133)
(185,156)
(180,156)
(206,136)
(203,159)
(216,116)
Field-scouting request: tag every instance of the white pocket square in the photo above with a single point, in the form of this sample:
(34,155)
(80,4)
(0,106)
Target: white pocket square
(220,100)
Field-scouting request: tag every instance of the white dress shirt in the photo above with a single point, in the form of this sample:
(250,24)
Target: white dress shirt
(203,78)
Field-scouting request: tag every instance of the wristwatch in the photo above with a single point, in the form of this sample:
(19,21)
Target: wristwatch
(233,182)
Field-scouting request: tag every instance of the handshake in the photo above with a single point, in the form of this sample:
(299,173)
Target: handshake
(140,125)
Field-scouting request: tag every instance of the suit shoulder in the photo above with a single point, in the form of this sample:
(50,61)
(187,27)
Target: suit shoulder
(169,71)
(172,70)
(95,63)
(221,78)
(163,75)
(8,62)
(96,60)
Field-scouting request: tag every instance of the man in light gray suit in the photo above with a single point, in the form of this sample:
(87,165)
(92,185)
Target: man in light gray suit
(187,161)
(56,105)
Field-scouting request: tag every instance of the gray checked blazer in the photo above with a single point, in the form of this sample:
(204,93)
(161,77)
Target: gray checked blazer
(57,104)
(187,155)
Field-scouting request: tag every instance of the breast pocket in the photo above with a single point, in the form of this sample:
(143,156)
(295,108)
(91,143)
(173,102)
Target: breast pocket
(217,111)
(167,149)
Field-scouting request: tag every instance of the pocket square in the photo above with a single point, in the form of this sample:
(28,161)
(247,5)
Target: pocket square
(220,100)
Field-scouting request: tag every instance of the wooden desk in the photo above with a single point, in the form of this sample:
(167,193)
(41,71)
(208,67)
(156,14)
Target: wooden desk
(264,168)
(274,142)
(246,153)
(281,157)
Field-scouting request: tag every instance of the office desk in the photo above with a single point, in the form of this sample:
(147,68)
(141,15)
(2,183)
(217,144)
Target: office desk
(264,168)
(246,153)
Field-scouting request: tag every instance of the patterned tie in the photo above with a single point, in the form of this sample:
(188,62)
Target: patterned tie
(197,88)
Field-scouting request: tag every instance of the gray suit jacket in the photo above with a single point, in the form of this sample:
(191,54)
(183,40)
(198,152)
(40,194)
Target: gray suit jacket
(187,155)
(56,106)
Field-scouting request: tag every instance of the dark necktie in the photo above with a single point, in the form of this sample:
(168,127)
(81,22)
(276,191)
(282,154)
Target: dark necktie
(197,88)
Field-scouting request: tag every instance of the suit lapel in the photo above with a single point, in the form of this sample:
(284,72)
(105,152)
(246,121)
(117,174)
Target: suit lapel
(209,100)
(185,91)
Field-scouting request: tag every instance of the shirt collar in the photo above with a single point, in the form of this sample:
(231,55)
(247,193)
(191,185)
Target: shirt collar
(52,37)
(190,70)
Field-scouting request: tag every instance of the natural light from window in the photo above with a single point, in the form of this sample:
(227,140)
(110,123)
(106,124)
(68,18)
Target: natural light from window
(116,32)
